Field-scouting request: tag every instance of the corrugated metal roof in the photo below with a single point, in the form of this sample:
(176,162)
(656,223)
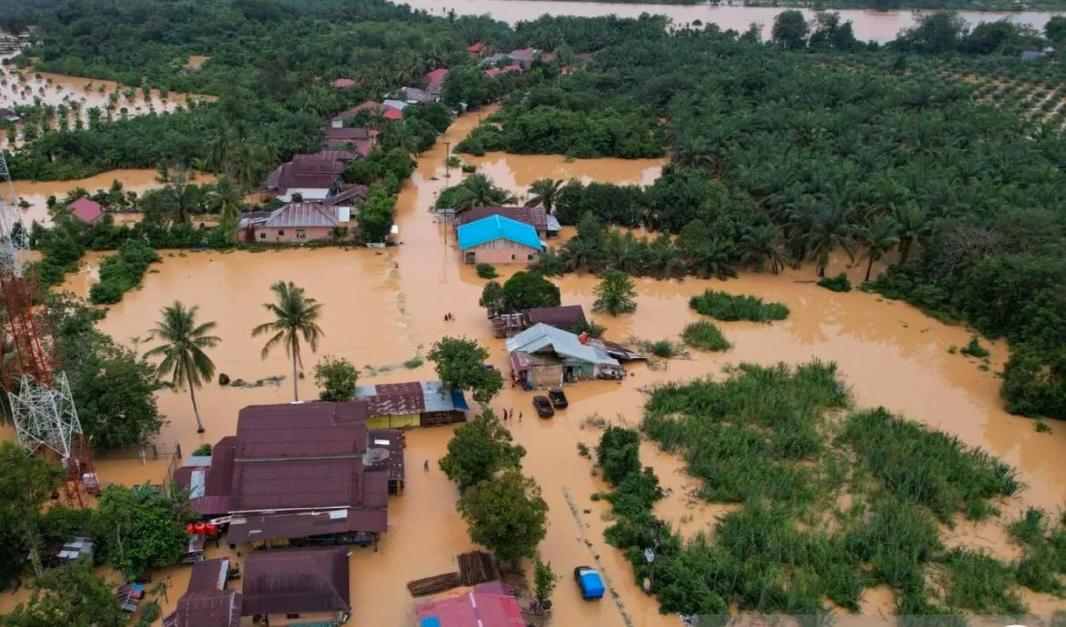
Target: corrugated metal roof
(563,343)
(294,430)
(437,397)
(86,209)
(484,605)
(291,581)
(266,527)
(303,215)
(208,576)
(565,317)
(533,216)
(392,399)
(206,609)
(497,227)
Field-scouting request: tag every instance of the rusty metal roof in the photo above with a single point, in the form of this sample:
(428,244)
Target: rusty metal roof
(290,581)
(392,399)
(265,527)
(533,216)
(303,215)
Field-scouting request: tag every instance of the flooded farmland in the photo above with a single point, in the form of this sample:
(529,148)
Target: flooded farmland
(383,307)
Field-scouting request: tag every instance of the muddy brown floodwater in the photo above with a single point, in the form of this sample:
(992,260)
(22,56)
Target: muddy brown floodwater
(384,307)
(36,193)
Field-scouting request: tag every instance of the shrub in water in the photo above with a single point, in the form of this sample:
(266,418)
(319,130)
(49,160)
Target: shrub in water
(729,307)
(486,271)
(839,283)
(704,335)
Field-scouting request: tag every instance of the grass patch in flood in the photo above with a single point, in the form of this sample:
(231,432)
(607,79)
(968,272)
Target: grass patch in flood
(728,307)
(772,440)
(705,336)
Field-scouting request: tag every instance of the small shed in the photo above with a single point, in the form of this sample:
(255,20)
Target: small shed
(412,404)
(543,356)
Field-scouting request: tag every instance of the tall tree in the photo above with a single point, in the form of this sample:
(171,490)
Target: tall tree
(478,450)
(544,192)
(879,237)
(182,350)
(761,246)
(72,595)
(295,315)
(26,481)
(914,226)
(506,514)
(460,364)
(830,229)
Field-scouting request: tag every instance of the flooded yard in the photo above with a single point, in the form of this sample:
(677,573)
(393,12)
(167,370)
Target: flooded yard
(383,307)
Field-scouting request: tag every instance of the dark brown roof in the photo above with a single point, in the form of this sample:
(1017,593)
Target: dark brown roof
(290,581)
(347,194)
(294,430)
(217,480)
(566,317)
(304,456)
(263,528)
(346,134)
(208,576)
(306,171)
(533,216)
(206,609)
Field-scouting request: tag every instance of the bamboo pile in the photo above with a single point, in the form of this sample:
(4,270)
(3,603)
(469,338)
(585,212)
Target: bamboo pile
(434,584)
(477,567)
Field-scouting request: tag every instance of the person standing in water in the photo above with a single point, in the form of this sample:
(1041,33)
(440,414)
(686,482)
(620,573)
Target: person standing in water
(425,466)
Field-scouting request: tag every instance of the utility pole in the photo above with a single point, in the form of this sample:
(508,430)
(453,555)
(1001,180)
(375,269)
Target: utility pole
(447,158)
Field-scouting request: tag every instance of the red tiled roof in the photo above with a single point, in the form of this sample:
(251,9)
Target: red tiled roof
(343,83)
(86,210)
(485,605)
(507,69)
(476,48)
(435,78)
(392,114)
(533,216)
(292,581)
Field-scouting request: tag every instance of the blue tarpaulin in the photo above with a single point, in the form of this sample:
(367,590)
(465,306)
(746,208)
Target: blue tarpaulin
(459,400)
(429,621)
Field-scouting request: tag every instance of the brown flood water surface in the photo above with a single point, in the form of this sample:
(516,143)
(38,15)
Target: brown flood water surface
(382,307)
(36,193)
(871,25)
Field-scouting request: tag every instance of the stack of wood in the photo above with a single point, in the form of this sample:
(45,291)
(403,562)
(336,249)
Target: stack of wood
(434,584)
(477,567)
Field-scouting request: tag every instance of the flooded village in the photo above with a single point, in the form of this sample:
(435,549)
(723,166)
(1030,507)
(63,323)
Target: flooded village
(357,485)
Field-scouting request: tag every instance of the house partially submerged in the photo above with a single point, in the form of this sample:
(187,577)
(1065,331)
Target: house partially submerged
(545,224)
(567,317)
(299,470)
(299,222)
(544,356)
(312,176)
(497,239)
(415,404)
(207,602)
(484,605)
(86,210)
(310,585)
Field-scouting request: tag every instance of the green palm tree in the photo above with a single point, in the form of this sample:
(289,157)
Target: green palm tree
(182,349)
(544,192)
(830,228)
(914,225)
(295,315)
(761,245)
(228,199)
(478,191)
(880,237)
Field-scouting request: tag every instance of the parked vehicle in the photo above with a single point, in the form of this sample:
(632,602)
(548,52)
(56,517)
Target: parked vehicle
(543,406)
(589,582)
(558,399)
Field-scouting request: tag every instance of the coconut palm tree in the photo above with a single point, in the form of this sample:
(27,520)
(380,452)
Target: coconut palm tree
(182,349)
(478,191)
(880,237)
(295,315)
(544,192)
(227,198)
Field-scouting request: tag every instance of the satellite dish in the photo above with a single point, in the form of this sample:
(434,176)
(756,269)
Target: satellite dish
(375,456)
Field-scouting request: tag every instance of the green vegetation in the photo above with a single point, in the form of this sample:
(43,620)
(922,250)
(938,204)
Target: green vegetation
(768,439)
(478,450)
(295,315)
(336,376)
(524,290)
(140,528)
(460,364)
(974,349)
(506,514)
(728,307)
(72,594)
(202,450)
(544,579)
(26,482)
(113,386)
(705,336)
(615,293)
(182,346)
(474,191)
(486,271)
(122,272)
(839,283)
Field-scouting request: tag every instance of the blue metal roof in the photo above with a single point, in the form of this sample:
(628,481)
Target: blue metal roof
(429,621)
(497,227)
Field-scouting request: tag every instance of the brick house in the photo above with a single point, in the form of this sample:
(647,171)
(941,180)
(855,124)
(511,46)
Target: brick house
(498,239)
(297,222)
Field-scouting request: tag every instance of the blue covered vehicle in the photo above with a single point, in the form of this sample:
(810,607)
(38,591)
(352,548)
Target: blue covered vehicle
(589,582)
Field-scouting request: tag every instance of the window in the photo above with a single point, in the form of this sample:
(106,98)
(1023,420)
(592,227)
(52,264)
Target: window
(262,236)
(301,234)
(281,233)
(529,257)
(512,257)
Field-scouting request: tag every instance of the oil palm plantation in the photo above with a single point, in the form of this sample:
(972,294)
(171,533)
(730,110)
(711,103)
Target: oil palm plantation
(761,246)
(914,226)
(478,191)
(830,228)
(880,237)
(182,344)
(295,316)
(544,192)
(227,200)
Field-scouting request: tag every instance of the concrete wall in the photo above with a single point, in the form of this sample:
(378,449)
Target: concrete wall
(545,376)
(292,235)
(501,251)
